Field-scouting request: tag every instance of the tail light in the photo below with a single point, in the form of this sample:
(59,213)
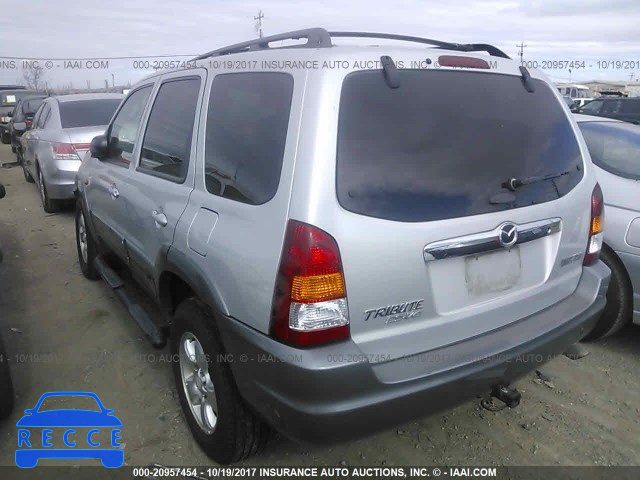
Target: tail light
(309,300)
(463,62)
(28,122)
(596,225)
(64,151)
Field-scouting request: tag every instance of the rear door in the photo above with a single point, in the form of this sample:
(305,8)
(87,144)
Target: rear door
(158,189)
(103,178)
(436,246)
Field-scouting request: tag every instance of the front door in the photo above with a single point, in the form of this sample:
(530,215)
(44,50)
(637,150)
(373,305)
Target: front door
(160,184)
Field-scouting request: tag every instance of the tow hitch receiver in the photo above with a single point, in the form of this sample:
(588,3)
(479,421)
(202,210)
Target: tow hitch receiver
(509,396)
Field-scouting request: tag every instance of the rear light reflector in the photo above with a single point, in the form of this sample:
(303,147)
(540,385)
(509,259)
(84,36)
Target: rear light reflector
(596,227)
(64,151)
(463,62)
(309,301)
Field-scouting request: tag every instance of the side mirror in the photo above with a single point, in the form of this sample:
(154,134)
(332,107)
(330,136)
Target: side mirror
(99,147)
(3,192)
(20,126)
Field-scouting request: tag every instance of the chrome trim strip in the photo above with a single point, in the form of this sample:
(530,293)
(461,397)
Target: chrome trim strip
(487,241)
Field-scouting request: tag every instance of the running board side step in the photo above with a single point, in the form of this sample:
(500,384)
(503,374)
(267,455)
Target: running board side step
(113,280)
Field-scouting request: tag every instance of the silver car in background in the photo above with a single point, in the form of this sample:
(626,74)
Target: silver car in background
(615,150)
(61,134)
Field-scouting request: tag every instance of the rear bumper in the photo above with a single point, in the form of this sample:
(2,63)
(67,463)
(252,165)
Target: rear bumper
(60,178)
(330,394)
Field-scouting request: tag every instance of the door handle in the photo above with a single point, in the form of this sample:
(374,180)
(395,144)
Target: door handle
(160,218)
(114,191)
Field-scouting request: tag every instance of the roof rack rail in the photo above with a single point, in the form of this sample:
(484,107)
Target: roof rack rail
(321,38)
(316,38)
(461,47)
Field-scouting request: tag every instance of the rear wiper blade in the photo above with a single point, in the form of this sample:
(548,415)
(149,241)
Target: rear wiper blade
(513,183)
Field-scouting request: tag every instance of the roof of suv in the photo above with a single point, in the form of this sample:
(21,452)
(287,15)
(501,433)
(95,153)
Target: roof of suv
(87,96)
(321,47)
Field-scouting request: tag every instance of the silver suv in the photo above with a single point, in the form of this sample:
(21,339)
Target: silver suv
(345,238)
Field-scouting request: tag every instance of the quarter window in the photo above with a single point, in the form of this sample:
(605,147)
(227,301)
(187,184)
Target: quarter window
(167,142)
(247,125)
(44,116)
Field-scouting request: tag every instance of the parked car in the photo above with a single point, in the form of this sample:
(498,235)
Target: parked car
(24,111)
(337,251)
(571,103)
(6,386)
(626,109)
(615,151)
(61,133)
(8,100)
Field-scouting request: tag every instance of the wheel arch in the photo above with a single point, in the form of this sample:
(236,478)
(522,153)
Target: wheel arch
(181,278)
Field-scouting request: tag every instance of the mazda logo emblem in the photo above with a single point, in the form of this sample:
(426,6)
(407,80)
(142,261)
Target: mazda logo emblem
(508,234)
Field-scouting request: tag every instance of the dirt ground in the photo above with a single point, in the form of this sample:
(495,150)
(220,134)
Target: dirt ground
(66,333)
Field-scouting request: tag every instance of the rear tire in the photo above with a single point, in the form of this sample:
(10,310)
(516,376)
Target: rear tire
(85,245)
(5,138)
(48,204)
(6,385)
(237,433)
(27,176)
(619,308)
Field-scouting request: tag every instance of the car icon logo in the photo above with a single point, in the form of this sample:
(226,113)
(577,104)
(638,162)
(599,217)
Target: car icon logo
(69,433)
(508,234)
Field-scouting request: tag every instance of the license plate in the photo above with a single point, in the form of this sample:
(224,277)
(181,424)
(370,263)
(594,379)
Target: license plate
(492,272)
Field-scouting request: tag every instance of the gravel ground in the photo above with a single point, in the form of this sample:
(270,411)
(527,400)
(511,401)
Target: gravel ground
(66,333)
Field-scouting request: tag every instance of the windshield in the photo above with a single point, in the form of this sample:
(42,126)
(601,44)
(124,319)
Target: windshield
(66,402)
(87,113)
(441,144)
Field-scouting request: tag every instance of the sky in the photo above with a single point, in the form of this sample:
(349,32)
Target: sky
(595,32)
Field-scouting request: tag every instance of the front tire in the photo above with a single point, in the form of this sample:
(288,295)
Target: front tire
(619,308)
(86,246)
(219,420)
(48,204)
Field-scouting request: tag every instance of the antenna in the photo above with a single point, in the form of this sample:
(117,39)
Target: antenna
(522,46)
(258,20)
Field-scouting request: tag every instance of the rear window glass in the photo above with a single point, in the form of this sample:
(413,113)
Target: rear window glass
(29,107)
(442,144)
(87,113)
(614,147)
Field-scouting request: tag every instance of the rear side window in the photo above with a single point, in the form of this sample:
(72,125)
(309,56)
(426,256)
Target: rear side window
(442,144)
(87,113)
(247,125)
(614,147)
(630,106)
(166,146)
